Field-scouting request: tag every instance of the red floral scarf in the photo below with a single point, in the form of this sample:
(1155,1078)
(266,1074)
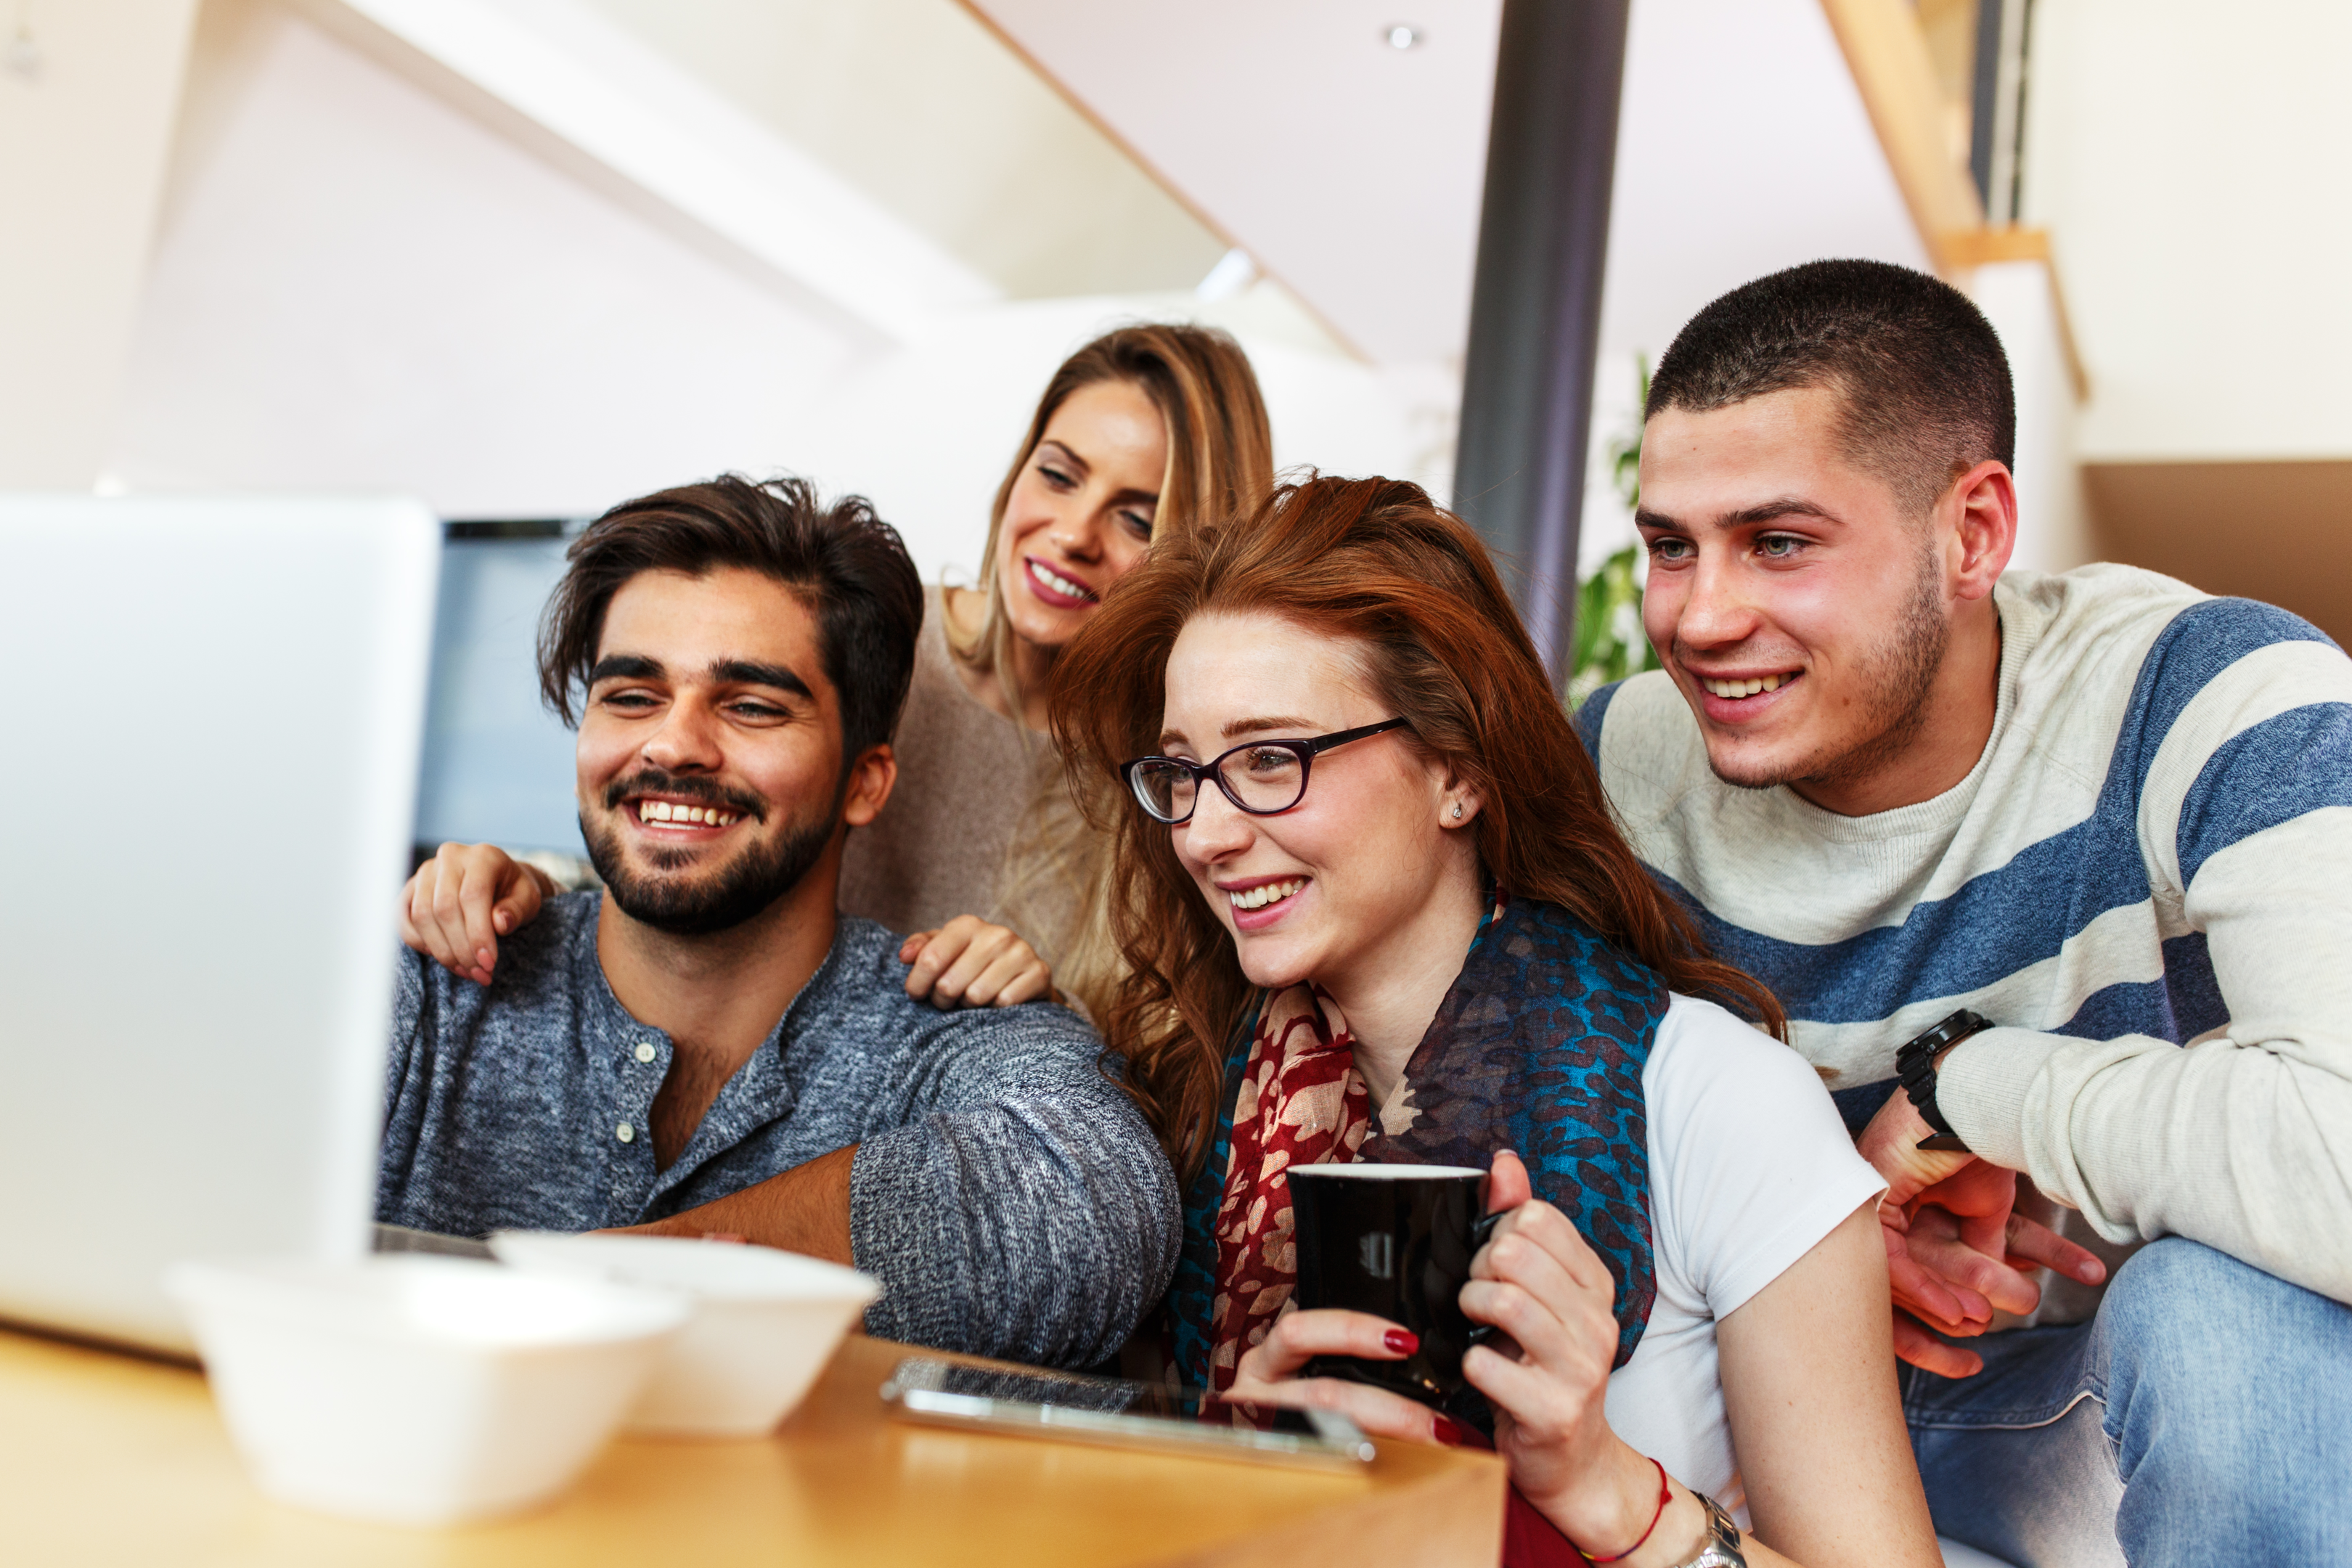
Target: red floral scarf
(1302,1103)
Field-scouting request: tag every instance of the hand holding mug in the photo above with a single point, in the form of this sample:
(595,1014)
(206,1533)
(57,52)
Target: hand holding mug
(1539,1283)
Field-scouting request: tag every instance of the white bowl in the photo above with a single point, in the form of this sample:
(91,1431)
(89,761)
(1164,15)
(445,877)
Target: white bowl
(765,1321)
(419,1390)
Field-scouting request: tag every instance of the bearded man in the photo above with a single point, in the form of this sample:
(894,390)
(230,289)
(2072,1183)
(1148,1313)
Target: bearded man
(707,1046)
(2069,856)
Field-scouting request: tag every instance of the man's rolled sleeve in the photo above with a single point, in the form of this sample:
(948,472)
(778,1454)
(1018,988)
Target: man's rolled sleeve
(1033,1223)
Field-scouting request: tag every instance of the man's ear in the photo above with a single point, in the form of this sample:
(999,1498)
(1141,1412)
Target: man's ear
(1984,502)
(871,778)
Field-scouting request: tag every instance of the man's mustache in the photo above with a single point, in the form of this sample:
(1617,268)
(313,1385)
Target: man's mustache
(699,791)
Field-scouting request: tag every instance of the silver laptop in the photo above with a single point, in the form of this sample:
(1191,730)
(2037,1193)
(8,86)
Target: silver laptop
(210,778)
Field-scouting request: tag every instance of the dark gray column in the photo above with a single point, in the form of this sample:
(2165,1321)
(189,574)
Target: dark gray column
(1535,318)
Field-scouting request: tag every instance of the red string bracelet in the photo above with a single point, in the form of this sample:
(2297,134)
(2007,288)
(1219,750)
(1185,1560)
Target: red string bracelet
(1665,1496)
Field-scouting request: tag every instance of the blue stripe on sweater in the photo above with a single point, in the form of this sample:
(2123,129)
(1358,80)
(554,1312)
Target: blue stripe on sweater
(2183,1004)
(2267,773)
(1592,715)
(2024,913)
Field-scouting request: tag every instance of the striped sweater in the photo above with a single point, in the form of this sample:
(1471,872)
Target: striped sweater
(2146,879)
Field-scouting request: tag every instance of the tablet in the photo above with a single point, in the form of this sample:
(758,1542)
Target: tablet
(1070,1408)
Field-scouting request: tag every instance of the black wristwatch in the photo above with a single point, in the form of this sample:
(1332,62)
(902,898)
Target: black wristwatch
(1914,1063)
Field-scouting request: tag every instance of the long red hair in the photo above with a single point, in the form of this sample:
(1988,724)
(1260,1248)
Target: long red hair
(1374,561)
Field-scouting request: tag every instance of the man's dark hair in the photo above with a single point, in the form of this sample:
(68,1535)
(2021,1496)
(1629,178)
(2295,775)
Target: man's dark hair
(848,566)
(1920,372)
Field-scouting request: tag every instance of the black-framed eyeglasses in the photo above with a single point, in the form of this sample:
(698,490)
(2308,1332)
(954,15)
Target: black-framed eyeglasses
(1261,777)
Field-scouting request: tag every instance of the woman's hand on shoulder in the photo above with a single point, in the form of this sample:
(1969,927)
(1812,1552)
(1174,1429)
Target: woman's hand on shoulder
(969,963)
(1268,1373)
(462,900)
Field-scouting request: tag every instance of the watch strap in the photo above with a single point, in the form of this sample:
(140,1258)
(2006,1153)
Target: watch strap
(1720,1549)
(1915,1063)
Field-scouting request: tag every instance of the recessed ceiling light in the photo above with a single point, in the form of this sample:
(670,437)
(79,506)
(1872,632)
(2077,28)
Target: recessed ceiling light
(1403,37)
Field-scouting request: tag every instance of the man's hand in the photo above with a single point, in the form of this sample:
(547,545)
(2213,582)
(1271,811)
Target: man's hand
(462,900)
(969,963)
(804,1210)
(1956,1250)
(1891,1143)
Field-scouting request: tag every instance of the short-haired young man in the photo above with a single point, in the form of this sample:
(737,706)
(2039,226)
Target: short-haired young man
(707,1046)
(2107,814)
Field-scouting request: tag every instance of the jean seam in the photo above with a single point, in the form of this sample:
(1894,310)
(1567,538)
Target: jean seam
(2000,1420)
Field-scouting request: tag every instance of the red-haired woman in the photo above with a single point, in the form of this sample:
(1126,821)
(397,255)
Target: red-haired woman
(1372,907)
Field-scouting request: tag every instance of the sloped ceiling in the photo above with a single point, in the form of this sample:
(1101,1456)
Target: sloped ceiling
(1348,168)
(917,104)
(1352,169)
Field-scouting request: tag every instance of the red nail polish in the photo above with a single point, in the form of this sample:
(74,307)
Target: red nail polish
(1446,1430)
(1404,1341)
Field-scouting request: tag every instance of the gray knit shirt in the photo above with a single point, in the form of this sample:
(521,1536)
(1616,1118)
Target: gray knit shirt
(1009,1198)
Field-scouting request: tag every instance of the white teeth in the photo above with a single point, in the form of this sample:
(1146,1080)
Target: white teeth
(1270,893)
(1746,688)
(1055,581)
(663,811)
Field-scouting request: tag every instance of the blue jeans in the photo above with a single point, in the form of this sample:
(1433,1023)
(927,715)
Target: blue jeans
(2203,1417)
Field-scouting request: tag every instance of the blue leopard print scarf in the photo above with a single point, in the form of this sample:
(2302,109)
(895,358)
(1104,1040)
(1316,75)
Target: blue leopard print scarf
(1537,1048)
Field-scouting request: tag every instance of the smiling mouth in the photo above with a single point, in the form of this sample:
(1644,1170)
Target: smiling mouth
(1735,690)
(1045,577)
(680,813)
(1265,893)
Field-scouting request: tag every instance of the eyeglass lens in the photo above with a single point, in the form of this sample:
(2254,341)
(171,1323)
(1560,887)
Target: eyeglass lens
(1261,778)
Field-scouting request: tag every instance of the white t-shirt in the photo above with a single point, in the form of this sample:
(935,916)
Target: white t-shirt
(1749,1167)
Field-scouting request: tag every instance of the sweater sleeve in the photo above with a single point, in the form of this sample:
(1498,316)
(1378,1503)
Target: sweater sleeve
(2242,1138)
(1026,1210)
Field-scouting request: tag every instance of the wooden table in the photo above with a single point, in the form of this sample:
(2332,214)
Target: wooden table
(106,1459)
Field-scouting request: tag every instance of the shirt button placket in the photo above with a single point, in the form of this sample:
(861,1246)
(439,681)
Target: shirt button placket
(630,1177)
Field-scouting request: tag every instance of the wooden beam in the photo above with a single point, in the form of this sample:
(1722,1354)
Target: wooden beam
(1973,249)
(1886,49)
(1887,53)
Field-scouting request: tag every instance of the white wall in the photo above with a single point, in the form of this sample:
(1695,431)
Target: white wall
(86,99)
(2193,163)
(1743,147)
(358,286)
(2052,530)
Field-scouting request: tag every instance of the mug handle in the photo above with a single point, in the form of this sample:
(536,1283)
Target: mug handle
(1481,1233)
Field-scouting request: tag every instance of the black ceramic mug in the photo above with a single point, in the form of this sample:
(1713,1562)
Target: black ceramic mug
(1396,1241)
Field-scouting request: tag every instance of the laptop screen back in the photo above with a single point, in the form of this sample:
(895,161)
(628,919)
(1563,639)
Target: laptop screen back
(215,713)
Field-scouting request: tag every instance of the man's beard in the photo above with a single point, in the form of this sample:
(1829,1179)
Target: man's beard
(697,907)
(1897,679)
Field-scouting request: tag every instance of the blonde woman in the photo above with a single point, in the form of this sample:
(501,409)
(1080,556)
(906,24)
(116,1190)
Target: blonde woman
(982,854)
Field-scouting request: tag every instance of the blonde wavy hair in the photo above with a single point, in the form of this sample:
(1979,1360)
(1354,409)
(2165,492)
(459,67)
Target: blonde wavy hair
(1054,886)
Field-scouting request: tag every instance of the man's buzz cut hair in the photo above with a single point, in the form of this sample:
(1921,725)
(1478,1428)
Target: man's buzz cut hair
(1920,372)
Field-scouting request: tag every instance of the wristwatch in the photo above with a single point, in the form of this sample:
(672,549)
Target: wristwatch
(1721,1547)
(1914,1063)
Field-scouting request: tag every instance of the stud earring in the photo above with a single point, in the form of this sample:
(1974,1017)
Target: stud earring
(1457,810)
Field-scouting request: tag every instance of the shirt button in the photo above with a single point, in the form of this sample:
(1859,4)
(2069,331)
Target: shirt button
(645,1050)
(624,1132)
